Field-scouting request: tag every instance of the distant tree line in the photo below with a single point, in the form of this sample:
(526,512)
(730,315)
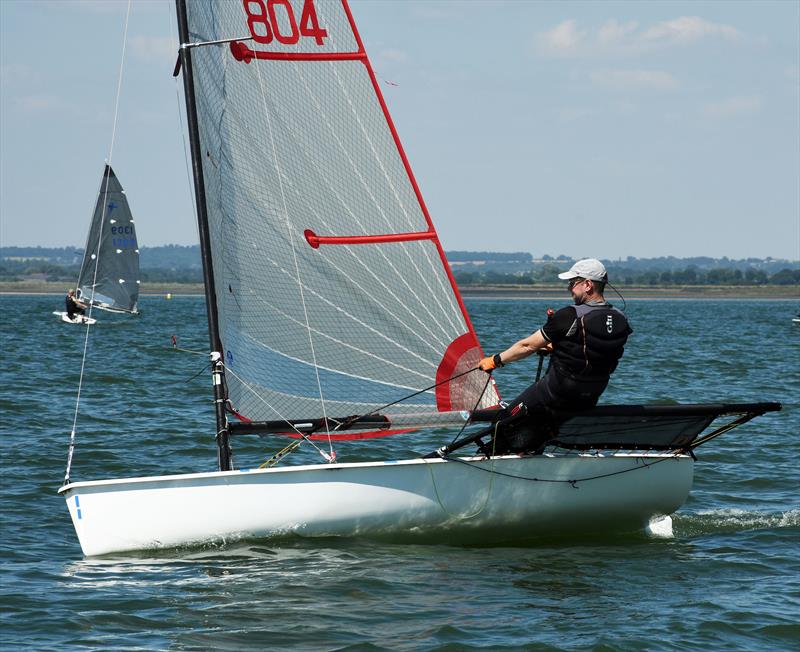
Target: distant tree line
(168,264)
(182,264)
(493,256)
(688,276)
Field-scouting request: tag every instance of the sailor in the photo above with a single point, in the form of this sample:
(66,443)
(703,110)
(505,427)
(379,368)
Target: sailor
(74,305)
(585,342)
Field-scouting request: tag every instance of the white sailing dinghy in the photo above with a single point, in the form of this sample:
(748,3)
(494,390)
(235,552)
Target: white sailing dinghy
(329,298)
(78,319)
(109,275)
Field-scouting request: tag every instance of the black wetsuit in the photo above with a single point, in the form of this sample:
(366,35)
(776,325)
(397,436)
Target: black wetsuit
(73,308)
(588,341)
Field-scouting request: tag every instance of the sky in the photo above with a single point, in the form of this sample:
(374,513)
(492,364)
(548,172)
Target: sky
(604,129)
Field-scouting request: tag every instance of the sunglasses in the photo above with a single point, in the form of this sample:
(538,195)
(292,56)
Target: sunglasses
(575,281)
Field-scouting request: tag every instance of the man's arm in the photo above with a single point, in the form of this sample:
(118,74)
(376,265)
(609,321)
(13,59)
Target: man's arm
(517,351)
(525,347)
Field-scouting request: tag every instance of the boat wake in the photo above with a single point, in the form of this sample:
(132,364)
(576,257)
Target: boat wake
(722,521)
(660,527)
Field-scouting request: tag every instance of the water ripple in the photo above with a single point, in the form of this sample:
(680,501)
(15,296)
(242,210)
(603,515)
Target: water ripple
(727,578)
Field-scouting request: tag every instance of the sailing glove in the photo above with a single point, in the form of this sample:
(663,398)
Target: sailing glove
(492,362)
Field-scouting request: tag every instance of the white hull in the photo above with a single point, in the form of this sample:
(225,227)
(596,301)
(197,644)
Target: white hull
(79,319)
(425,500)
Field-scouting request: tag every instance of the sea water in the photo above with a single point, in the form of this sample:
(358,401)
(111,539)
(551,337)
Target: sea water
(724,576)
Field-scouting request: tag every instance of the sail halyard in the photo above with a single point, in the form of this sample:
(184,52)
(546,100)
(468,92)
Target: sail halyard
(297,138)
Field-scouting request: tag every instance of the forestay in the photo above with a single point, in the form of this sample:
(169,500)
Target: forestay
(333,293)
(111,258)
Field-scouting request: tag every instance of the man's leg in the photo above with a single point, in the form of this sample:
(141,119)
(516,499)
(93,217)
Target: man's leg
(526,423)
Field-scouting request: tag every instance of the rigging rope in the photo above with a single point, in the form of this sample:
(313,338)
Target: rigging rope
(574,483)
(491,476)
(71,449)
(348,422)
(175,347)
(493,472)
(246,385)
(175,38)
(477,403)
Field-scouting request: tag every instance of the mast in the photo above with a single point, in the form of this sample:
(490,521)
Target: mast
(224,452)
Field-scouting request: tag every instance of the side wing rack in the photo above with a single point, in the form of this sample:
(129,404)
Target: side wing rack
(621,427)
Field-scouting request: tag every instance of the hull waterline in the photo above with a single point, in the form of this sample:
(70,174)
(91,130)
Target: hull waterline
(469,500)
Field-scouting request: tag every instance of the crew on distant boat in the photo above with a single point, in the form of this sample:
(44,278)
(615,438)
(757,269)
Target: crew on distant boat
(585,341)
(74,305)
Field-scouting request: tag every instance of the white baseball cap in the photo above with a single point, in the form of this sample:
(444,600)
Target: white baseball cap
(589,268)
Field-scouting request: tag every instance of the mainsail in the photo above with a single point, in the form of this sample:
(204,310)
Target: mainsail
(109,275)
(333,295)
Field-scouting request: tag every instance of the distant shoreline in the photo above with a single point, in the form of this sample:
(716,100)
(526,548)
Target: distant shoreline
(764,292)
(683,292)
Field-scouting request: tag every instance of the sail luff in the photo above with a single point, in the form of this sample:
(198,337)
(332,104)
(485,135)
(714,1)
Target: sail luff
(90,245)
(410,172)
(87,278)
(224,453)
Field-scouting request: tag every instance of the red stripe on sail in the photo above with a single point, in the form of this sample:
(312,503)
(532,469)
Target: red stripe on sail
(241,52)
(316,240)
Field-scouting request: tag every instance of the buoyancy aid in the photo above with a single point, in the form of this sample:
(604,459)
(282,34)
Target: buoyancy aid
(593,345)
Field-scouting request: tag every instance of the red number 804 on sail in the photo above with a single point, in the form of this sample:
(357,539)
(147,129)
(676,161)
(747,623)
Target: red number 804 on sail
(268,19)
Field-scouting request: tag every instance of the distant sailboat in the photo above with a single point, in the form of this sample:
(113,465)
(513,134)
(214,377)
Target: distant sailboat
(328,299)
(109,275)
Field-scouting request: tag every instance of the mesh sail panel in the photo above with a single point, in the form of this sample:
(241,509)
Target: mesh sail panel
(112,249)
(303,143)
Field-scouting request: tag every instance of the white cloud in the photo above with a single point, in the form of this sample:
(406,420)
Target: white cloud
(563,40)
(628,79)
(567,39)
(733,106)
(613,33)
(686,29)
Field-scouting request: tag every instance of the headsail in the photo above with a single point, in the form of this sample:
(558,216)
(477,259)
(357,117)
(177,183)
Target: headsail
(333,293)
(111,258)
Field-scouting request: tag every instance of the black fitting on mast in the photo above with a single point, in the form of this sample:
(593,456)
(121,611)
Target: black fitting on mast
(217,369)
